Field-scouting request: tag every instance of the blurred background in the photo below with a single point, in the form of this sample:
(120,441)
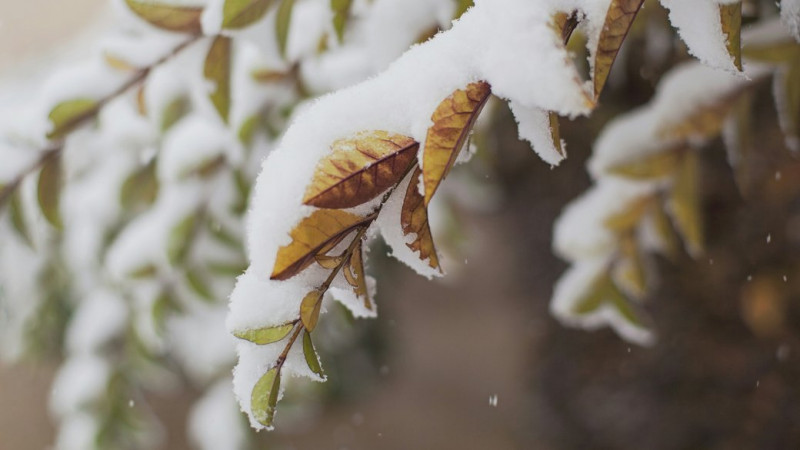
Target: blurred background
(476,361)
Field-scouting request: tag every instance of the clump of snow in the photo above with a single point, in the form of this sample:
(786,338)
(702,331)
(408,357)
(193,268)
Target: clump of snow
(790,14)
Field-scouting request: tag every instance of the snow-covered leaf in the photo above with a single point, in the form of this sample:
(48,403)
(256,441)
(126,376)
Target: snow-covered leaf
(68,115)
(180,239)
(140,188)
(618,21)
(731,20)
(242,13)
(360,168)
(341,13)
(283,20)
(652,166)
(355,275)
(17,215)
(264,397)
(452,123)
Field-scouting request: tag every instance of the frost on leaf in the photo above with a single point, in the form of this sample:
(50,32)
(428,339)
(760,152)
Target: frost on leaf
(452,123)
(314,235)
(242,13)
(217,69)
(182,19)
(414,219)
(49,190)
(617,23)
(730,16)
(265,397)
(360,168)
(68,115)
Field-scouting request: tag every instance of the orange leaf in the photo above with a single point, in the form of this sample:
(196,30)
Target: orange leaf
(618,21)
(314,235)
(452,122)
(360,168)
(414,219)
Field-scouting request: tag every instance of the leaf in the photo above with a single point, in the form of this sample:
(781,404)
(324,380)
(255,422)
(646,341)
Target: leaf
(264,397)
(787,102)
(198,284)
(776,52)
(69,115)
(329,262)
(205,168)
(117,63)
(17,216)
(217,69)
(267,335)
(730,16)
(618,21)
(461,7)
(341,13)
(268,76)
(173,112)
(360,168)
(312,359)
(314,235)
(226,269)
(655,165)
(358,278)
(180,239)
(452,123)
(182,19)
(564,23)
(555,133)
(705,122)
(414,221)
(665,232)
(141,102)
(604,292)
(629,271)
(223,236)
(684,204)
(309,309)
(49,190)
(143,272)
(140,188)
(242,13)
(630,216)
(283,20)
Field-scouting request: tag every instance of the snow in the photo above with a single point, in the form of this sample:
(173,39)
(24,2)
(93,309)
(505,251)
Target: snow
(81,380)
(534,126)
(215,422)
(100,318)
(790,14)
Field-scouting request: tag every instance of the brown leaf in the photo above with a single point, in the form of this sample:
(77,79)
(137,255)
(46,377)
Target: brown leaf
(357,278)
(360,168)
(313,236)
(183,19)
(555,133)
(564,23)
(452,123)
(310,308)
(730,17)
(414,220)
(217,69)
(684,204)
(618,21)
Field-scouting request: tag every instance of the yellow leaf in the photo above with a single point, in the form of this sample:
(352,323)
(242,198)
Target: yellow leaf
(329,262)
(283,20)
(603,292)
(49,190)
(269,75)
(141,102)
(360,168)
(264,397)
(555,133)
(117,63)
(651,166)
(242,13)
(414,220)
(68,115)
(341,13)
(452,123)
(310,354)
(183,19)
(618,21)
(730,16)
(775,52)
(665,232)
(217,69)
(313,236)
(462,6)
(629,271)
(684,204)
(267,335)
(358,278)
(705,122)
(629,217)
(564,23)
(309,309)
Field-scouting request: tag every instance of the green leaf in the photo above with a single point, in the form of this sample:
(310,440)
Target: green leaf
(223,236)
(309,309)
(67,116)
(173,112)
(197,282)
(49,190)
(146,271)
(242,13)
(248,130)
(264,397)
(182,19)
(230,270)
(140,188)
(282,23)
(602,292)
(163,305)
(217,69)
(341,13)
(264,336)
(685,206)
(312,359)
(17,216)
(180,239)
